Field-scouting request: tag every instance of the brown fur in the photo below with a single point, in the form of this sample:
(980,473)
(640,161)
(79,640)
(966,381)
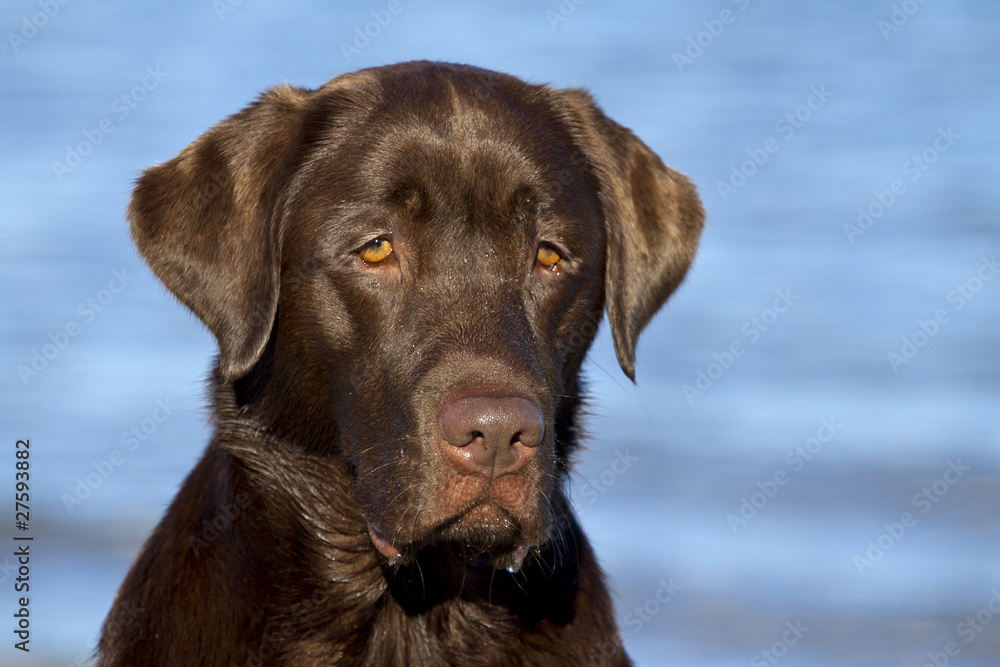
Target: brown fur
(333,374)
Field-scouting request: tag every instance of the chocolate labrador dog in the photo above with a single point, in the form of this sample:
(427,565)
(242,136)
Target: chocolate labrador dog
(404,270)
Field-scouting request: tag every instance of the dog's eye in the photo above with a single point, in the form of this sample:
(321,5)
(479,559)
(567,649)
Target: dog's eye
(376,251)
(548,256)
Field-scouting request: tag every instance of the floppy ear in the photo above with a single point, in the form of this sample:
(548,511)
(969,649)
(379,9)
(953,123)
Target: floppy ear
(652,215)
(205,223)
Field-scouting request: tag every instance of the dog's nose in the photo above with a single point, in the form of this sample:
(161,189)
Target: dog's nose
(491,436)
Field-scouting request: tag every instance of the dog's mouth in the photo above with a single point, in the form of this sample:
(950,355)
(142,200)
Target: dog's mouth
(482,529)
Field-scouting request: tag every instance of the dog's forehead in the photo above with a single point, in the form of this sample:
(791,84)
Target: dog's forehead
(449,151)
(447,164)
(465,174)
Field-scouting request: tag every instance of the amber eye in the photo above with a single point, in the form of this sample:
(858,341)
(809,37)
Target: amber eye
(548,256)
(376,251)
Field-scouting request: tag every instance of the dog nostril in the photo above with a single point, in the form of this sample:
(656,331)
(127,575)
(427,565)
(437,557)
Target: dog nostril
(521,438)
(470,440)
(530,437)
(492,435)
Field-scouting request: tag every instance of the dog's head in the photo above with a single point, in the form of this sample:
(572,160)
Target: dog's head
(404,270)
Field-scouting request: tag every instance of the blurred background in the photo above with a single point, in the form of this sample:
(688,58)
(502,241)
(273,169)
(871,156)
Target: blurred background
(806,472)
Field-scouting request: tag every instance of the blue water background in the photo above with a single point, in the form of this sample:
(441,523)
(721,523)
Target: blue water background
(666,470)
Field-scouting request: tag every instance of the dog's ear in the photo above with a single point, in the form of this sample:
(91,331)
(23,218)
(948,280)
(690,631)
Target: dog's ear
(205,222)
(652,214)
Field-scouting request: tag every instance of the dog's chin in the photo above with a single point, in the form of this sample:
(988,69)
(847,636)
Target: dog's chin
(483,533)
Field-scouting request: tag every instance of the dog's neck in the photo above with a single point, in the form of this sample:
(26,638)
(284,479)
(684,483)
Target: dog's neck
(353,588)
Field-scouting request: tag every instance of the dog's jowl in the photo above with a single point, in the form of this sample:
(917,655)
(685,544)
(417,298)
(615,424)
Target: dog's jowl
(403,269)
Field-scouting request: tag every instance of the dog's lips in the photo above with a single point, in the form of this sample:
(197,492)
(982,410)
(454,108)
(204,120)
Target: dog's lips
(510,560)
(382,545)
(503,554)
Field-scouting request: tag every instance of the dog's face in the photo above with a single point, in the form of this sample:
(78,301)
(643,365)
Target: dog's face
(404,270)
(438,274)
